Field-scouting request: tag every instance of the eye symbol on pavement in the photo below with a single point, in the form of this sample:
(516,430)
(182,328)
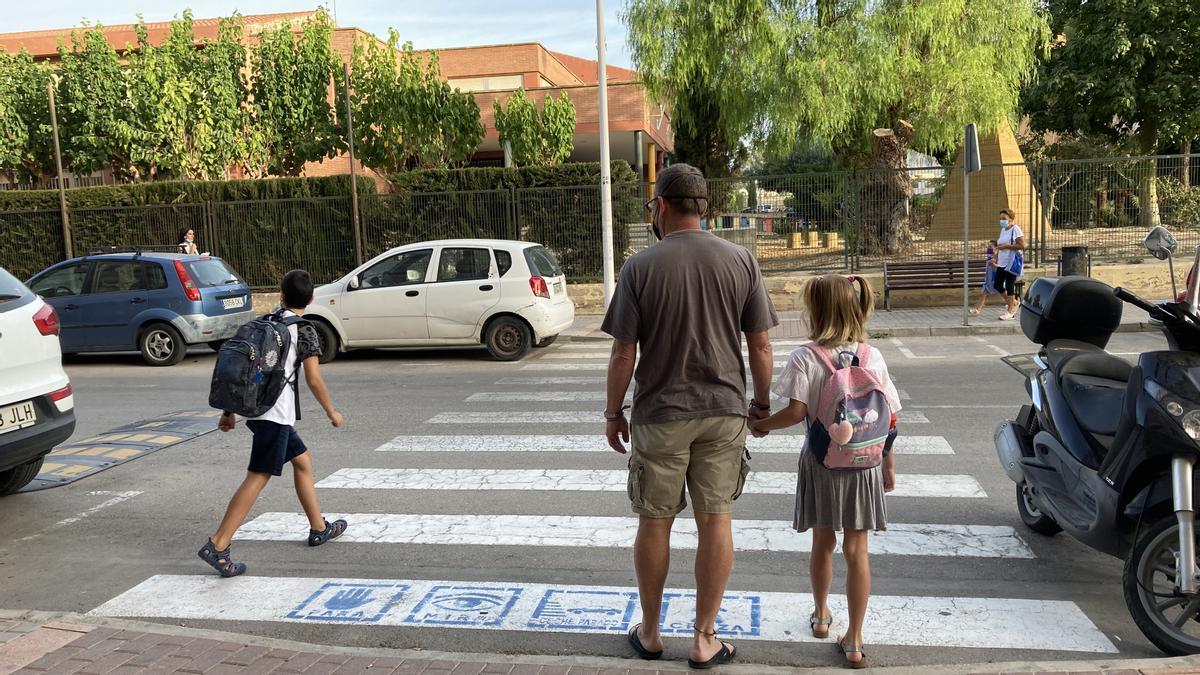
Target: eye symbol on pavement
(468,602)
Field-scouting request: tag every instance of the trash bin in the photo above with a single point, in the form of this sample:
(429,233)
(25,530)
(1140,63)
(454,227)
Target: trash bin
(1075,261)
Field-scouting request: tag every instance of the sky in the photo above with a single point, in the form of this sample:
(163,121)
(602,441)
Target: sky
(562,25)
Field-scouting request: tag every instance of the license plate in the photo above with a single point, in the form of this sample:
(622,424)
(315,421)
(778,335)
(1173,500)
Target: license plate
(17,416)
(233,303)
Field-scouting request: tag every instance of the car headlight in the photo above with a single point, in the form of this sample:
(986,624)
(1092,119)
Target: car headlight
(1191,424)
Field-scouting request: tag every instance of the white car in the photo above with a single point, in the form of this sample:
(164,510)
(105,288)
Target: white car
(37,409)
(506,295)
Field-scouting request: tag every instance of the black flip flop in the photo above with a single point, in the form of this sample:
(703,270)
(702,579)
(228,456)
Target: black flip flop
(720,658)
(636,643)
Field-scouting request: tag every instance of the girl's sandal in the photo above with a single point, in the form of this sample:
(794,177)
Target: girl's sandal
(332,531)
(815,621)
(848,649)
(220,560)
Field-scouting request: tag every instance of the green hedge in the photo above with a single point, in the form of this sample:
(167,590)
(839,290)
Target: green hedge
(183,191)
(563,175)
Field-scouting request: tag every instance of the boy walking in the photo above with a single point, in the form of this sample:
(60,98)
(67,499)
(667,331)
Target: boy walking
(275,440)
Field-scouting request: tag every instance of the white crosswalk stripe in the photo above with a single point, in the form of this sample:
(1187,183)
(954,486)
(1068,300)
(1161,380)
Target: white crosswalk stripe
(606,480)
(551,381)
(570,417)
(776,443)
(932,621)
(973,541)
(549,366)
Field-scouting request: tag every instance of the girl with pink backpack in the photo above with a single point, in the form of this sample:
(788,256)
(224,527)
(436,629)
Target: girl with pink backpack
(839,385)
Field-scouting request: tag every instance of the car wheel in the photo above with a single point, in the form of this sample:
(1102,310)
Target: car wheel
(215,345)
(547,342)
(329,341)
(508,339)
(162,345)
(18,477)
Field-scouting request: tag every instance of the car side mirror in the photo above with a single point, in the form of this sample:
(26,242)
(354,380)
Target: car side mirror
(355,283)
(1160,242)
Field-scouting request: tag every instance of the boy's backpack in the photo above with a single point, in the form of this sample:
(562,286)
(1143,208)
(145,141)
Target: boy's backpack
(1017,266)
(250,374)
(853,414)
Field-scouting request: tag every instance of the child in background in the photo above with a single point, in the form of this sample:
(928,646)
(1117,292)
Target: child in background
(989,279)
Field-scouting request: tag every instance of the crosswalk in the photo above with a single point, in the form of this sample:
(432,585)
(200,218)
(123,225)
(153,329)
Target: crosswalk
(554,451)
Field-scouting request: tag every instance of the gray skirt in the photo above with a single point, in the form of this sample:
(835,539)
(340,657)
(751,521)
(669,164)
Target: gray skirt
(842,500)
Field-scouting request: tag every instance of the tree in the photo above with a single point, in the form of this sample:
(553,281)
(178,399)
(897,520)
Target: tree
(868,80)
(538,139)
(92,104)
(1124,69)
(404,116)
(26,144)
(292,76)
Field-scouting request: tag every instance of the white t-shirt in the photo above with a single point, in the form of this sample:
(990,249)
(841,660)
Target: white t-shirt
(284,410)
(804,376)
(1010,236)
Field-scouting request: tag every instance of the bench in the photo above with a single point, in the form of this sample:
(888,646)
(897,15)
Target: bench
(913,276)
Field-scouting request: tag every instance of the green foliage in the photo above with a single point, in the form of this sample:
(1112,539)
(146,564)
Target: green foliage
(491,178)
(405,116)
(292,77)
(92,104)
(830,71)
(26,141)
(538,139)
(1180,203)
(1119,72)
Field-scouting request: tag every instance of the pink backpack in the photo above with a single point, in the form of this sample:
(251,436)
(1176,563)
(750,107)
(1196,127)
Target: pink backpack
(853,413)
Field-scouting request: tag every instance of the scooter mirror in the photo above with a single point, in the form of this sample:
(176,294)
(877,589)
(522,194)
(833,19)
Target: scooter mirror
(1160,242)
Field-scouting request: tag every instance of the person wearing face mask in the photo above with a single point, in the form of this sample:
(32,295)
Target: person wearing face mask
(686,302)
(1009,261)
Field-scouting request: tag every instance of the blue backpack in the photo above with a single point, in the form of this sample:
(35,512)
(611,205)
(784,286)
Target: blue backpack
(250,375)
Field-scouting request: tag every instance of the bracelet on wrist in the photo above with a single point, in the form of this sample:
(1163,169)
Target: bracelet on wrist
(614,416)
(759,406)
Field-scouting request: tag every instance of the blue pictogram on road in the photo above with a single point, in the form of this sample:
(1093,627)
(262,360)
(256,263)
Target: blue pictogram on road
(466,605)
(606,611)
(350,602)
(740,615)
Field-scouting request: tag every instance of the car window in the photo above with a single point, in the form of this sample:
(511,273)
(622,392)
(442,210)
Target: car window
(212,272)
(62,282)
(156,278)
(503,261)
(402,269)
(119,276)
(464,264)
(542,262)
(10,288)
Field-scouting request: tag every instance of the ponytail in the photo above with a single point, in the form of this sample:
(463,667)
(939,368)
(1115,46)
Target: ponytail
(866,298)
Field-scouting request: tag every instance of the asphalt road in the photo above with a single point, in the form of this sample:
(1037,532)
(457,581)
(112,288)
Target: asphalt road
(945,593)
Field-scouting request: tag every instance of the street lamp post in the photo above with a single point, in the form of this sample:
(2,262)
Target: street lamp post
(605,168)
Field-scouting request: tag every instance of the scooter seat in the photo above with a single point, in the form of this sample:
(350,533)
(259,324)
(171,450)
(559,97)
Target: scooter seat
(1059,352)
(1096,403)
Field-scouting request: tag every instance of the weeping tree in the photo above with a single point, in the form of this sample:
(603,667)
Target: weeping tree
(867,79)
(538,138)
(92,104)
(26,150)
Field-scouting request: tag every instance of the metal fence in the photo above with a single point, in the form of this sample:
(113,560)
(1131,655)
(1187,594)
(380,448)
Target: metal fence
(801,222)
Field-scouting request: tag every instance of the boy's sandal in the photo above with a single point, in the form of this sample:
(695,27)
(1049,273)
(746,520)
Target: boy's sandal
(635,641)
(814,621)
(332,531)
(220,560)
(723,656)
(848,649)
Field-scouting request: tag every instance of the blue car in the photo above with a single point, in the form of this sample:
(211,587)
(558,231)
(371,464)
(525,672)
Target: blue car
(156,303)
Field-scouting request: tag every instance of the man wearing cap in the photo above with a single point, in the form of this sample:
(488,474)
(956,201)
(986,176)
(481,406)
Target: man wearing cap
(686,302)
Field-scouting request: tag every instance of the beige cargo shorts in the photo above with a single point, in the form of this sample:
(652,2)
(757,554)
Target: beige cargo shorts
(706,455)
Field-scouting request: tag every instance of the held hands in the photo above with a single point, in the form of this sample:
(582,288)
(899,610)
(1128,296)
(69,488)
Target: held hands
(755,415)
(227,422)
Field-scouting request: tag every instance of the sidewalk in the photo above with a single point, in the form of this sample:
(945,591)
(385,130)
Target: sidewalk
(35,643)
(918,322)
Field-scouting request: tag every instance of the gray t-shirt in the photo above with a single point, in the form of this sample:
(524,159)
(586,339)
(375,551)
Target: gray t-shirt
(686,302)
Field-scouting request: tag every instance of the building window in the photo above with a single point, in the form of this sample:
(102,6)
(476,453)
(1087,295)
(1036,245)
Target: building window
(490,83)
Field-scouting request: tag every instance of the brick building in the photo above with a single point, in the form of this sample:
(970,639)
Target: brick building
(639,128)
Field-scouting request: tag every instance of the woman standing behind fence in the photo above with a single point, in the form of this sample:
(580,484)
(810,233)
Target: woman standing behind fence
(1009,261)
(187,242)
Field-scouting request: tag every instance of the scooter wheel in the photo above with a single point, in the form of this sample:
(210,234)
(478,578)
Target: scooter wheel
(1166,617)
(1032,516)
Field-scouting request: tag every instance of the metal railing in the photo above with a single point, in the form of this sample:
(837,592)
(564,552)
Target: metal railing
(801,222)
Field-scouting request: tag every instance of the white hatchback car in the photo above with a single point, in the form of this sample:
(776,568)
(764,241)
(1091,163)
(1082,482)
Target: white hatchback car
(506,295)
(37,408)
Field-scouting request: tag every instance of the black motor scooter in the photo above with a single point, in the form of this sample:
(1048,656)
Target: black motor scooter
(1106,451)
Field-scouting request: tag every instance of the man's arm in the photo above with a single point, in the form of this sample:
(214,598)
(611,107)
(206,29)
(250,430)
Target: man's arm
(620,374)
(316,384)
(762,363)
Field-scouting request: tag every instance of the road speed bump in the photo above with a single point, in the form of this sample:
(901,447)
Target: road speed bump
(72,461)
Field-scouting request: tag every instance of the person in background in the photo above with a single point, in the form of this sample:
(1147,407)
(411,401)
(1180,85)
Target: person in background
(187,242)
(989,279)
(1009,245)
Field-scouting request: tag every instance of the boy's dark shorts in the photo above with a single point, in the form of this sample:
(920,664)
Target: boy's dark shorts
(273,446)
